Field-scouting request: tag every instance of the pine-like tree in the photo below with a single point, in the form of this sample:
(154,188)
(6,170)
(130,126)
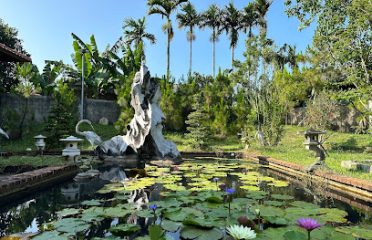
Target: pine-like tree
(63,115)
(196,121)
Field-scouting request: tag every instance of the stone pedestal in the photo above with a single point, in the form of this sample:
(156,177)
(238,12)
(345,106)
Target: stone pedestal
(363,166)
(71,150)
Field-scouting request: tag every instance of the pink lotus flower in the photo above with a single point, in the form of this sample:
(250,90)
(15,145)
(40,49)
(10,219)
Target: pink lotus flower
(308,223)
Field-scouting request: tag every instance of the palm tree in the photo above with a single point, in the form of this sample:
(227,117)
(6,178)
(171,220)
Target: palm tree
(261,8)
(212,18)
(248,18)
(165,8)
(292,56)
(231,18)
(189,18)
(135,31)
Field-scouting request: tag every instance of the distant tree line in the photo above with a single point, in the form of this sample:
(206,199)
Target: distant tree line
(252,98)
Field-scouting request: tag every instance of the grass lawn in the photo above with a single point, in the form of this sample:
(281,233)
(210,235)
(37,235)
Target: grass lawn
(340,147)
(229,144)
(33,161)
(106,132)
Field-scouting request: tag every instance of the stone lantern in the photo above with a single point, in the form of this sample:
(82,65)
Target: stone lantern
(40,143)
(71,150)
(313,143)
(312,138)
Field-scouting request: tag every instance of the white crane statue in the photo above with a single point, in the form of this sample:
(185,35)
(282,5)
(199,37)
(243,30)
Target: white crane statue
(91,136)
(2,132)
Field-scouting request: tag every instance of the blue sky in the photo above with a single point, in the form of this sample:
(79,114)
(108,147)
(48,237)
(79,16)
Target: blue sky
(46,25)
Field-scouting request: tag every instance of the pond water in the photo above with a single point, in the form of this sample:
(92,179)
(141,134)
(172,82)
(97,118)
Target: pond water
(187,201)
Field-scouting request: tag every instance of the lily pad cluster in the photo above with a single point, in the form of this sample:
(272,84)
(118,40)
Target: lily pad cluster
(194,200)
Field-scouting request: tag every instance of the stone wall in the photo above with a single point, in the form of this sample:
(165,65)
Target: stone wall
(40,106)
(344,120)
(95,109)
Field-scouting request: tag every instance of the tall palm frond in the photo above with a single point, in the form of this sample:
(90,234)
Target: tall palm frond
(135,31)
(261,8)
(249,18)
(165,8)
(212,18)
(189,18)
(231,24)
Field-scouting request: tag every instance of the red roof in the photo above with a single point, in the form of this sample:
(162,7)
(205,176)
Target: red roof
(10,55)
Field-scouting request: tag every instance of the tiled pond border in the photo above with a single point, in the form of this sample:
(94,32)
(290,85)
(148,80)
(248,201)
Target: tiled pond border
(348,184)
(18,185)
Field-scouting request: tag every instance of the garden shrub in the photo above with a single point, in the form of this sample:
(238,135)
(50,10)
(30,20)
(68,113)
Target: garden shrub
(196,121)
(272,113)
(321,111)
(63,115)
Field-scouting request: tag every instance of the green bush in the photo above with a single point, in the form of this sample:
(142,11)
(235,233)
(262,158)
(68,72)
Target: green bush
(63,115)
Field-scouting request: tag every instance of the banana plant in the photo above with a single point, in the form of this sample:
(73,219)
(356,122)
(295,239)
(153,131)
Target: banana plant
(96,66)
(53,72)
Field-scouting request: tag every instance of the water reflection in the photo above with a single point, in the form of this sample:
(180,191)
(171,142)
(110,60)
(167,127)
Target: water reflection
(27,215)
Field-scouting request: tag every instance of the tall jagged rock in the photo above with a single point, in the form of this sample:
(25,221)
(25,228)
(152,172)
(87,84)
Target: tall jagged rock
(144,133)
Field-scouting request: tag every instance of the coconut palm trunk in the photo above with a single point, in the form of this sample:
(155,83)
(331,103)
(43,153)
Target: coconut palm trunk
(214,58)
(190,60)
(232,56)
(168,51)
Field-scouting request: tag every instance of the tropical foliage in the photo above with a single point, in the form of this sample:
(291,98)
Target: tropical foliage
(9,37)
(256,95)
(165,8)
(189,18)
(63,115)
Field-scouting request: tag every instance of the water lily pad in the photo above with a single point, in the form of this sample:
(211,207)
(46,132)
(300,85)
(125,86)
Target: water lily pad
(250,188)
(331,215)
(276,233)
(108,238)
(277,220)
(302,204)
(145,213)
(71,225)
(174,187)
(198,222)
(200,234)
(258,195)
(92,202)
(274,203)
(210,196)
(156,232)
(168,203)
(113,212)
(356,231)
(124,229)
(51,235)
(92,214)
(278,183)
(281,197)
(170,226)
(68,212)
(180,214)
(271,211)
(294,235)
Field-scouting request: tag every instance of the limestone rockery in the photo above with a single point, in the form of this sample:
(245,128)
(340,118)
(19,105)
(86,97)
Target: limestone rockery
(144,135)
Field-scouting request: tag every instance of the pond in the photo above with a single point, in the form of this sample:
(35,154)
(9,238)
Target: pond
(198,199)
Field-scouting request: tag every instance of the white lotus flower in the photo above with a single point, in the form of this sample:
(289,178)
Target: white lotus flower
(241,232)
